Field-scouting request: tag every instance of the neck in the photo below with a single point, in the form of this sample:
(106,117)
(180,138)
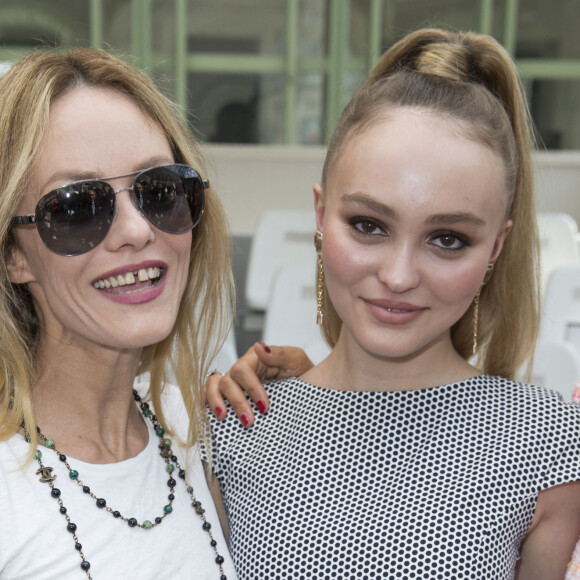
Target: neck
(350,367)
(84,401)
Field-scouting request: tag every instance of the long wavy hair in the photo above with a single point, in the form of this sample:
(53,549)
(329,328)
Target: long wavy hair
(27,91)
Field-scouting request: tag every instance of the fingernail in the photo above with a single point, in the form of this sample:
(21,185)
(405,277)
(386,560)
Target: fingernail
(244,419)
(261,406)
(266,347)
(218,412)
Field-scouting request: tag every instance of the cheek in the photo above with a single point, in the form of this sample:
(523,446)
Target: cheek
(343,260)
(182,247)
(55,276)
(41,272)
(457,282)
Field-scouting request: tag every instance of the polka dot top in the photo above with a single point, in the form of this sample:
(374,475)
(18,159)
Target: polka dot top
(439,483)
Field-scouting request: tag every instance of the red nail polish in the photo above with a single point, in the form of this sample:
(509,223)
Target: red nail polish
(218,412)
(266,347)
(244,419)
(261,406)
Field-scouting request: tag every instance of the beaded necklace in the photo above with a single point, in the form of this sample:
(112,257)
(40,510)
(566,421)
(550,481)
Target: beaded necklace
(171,464)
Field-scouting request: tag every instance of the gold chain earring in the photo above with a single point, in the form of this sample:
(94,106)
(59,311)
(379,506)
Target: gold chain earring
(476,305)
(319,277)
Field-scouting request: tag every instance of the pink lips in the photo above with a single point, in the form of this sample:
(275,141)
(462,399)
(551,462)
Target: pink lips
(397,313)
(138,292)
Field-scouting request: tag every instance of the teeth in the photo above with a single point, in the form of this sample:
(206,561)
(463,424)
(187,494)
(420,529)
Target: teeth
(143,275)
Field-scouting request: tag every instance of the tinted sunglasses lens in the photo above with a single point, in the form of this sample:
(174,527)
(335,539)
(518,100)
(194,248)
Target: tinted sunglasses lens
(171,197)
(74,219)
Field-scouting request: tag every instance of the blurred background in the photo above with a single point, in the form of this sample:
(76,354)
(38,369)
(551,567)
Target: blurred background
(262,83)
(280,71)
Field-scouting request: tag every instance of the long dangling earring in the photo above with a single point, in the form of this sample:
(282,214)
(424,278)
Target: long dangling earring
(476,305)
(319,277)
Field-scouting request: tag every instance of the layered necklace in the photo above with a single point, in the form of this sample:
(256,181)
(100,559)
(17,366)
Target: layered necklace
(171,465)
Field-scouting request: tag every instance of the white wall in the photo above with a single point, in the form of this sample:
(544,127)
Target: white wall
(252,179)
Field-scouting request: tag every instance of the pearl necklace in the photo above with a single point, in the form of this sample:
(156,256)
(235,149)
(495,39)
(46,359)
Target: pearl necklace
(171,463)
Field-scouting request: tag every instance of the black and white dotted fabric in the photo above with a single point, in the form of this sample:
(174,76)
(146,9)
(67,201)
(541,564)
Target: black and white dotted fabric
(433,483)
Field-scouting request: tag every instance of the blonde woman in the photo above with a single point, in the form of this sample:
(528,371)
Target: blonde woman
(396,457)
(115,262)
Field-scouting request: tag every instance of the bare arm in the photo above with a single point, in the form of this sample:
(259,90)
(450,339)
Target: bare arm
(555,529)
(216,494)
(260,363)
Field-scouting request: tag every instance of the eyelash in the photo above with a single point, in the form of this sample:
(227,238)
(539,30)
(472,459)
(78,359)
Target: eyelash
(456,238)
(356,224)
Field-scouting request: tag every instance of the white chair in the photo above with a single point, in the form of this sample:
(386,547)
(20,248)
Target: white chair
(558,243)
(557,366)
(283,237)
(291,312)
(560,318)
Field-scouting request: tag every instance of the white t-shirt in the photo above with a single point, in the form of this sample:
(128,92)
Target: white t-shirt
(34,541)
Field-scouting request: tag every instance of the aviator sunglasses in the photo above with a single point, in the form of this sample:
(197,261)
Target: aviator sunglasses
(75,218)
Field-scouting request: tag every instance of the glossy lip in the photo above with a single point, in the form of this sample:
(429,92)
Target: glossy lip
(133,295)
(393,312)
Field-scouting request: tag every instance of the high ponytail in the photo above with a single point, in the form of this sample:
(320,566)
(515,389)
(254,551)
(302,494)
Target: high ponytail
(470,80)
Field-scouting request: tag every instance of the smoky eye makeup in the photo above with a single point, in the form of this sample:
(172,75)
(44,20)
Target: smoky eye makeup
(449,241)
(366,226)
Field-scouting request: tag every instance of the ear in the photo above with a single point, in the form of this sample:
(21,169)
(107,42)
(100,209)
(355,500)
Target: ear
(499,241)
(17,265)
(319,206)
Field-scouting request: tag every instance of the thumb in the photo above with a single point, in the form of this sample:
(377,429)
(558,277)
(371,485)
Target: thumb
(282,361)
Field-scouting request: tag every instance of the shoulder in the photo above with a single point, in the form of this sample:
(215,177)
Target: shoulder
(284,394)
(13,454)
(542,407)
(515,412)
(519,395)
(545,425)
(288,388)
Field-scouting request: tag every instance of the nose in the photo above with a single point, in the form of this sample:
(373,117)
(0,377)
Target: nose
(130,227)
(399,269)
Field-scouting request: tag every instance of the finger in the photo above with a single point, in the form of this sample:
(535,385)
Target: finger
(213,395)
(231,390)
(282,361)
(244,374)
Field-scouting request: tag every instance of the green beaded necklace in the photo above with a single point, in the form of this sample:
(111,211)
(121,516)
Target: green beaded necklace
(171,463)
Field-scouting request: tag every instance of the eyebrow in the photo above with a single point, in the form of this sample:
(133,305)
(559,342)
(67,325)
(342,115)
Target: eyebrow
(73,176)
(456,218)
(436,219)
(370,203)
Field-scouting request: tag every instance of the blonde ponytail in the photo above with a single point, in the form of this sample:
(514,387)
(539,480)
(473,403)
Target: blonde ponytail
(470,79)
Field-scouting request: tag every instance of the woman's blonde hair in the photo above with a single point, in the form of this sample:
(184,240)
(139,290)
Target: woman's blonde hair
(470,80)
(27,92)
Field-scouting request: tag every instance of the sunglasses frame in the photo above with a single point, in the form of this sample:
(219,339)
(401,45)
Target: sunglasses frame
(31,219)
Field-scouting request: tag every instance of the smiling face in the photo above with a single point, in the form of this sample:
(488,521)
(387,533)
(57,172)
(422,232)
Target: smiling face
(125,293)
(412,214)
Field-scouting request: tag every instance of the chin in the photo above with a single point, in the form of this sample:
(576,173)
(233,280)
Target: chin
(394,350)
(143,337)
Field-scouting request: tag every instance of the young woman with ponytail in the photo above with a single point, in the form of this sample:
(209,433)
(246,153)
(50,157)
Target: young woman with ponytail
(411,451)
